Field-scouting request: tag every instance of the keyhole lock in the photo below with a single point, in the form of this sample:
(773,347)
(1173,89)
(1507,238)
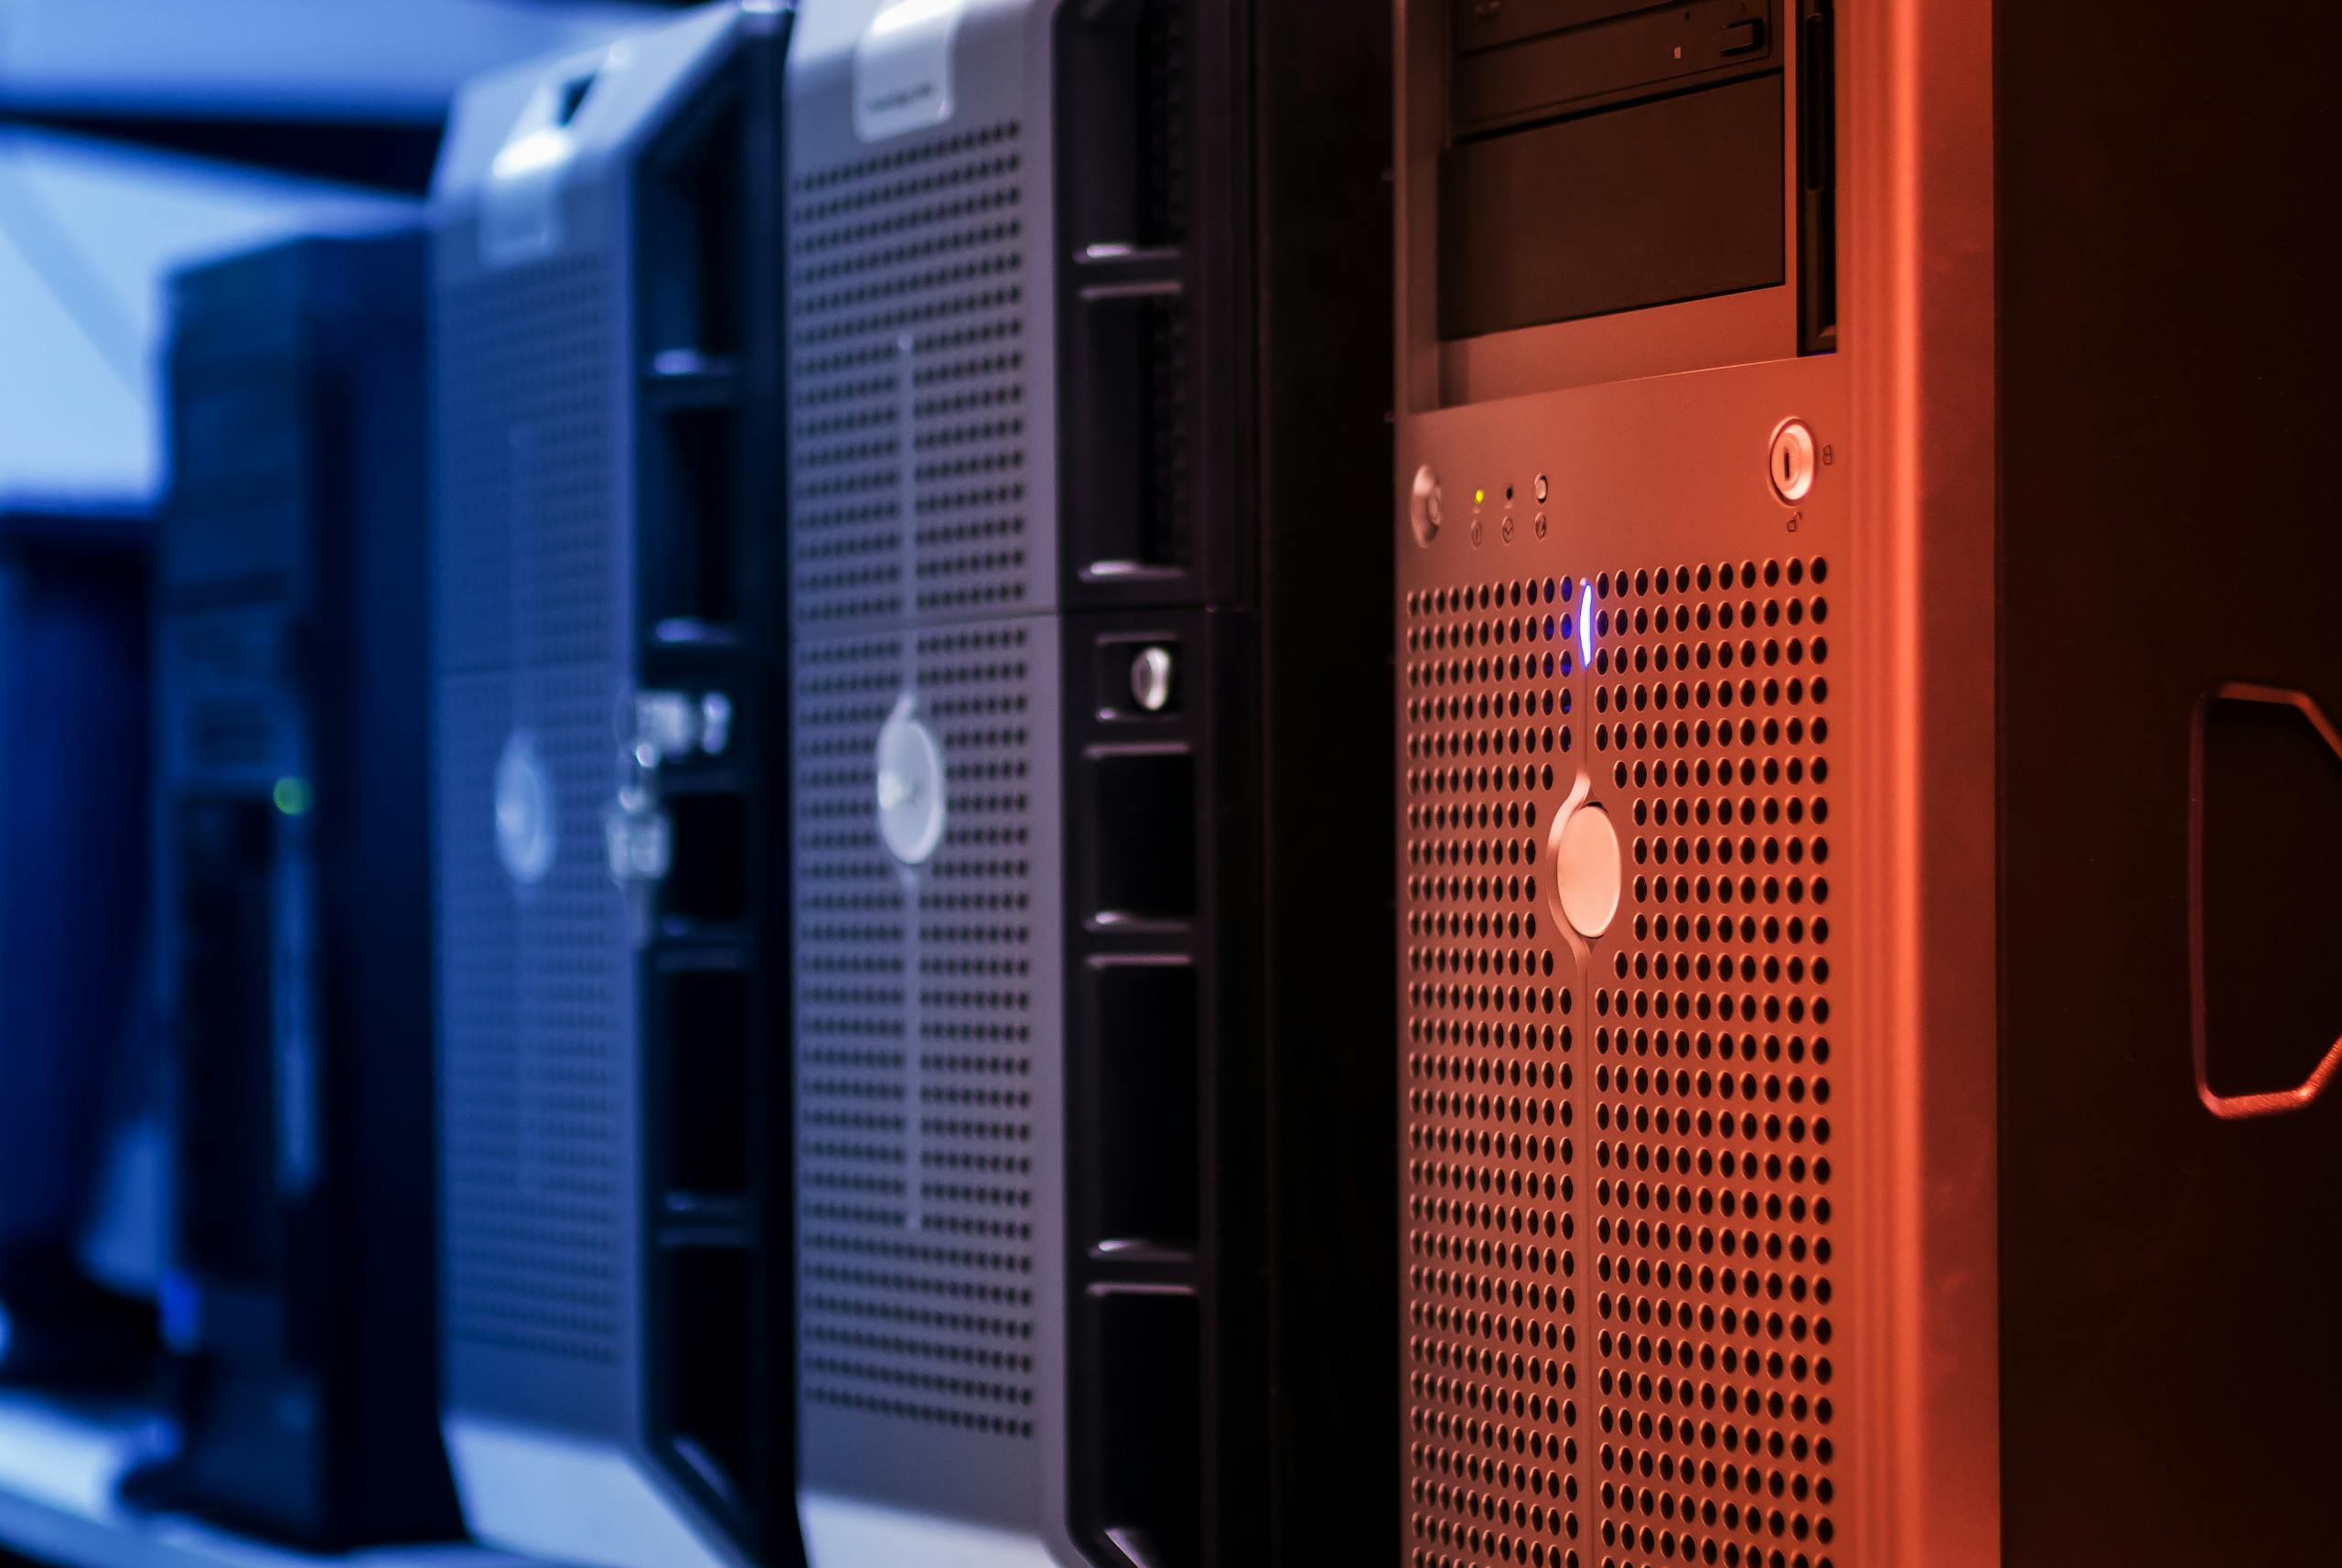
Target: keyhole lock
(1792,461)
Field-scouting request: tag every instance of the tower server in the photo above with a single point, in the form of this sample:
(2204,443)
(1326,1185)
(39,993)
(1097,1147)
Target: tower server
(614,1276)
(1086,405)
(293,944)
(1866,766)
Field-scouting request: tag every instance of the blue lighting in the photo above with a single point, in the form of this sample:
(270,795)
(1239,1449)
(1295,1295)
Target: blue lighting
(1585,625)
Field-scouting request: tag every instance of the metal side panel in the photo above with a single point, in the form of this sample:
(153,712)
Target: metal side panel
(2170,676)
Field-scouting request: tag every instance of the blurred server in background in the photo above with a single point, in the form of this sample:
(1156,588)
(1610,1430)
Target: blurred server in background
(89,232)
(1087,410)
(291,899)
(73,682)
(614,1266)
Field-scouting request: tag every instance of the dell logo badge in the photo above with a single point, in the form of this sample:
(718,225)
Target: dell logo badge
(524,810)
(910,785)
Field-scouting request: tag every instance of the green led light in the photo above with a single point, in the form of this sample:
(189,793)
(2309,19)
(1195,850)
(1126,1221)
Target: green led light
(292,796)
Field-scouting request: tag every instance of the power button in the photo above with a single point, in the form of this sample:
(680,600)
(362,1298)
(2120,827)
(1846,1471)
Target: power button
(1790,461)
(1424,505)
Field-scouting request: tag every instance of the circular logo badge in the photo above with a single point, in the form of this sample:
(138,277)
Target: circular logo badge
(1589,870)
(910,785)
(524,810)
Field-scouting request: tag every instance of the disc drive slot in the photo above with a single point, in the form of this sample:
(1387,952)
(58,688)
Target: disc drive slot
(1544,57)
(1647,205)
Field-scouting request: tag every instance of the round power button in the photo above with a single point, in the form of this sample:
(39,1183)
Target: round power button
(1423,505)
(1791,461)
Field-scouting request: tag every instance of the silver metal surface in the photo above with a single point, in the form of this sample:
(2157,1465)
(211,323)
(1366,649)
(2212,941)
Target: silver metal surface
(1151,677)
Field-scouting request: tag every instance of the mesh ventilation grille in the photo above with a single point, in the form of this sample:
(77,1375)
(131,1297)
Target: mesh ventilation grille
(534,1044)
(1621,1347)
(1493,1165)
(906,431)
(914,1043)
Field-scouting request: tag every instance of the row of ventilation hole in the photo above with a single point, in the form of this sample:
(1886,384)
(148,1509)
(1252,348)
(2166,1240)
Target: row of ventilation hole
(901,1285)
(948,1260)
(918,1349)
(1488,1033)
(1483,924)
(914,155)
(933,1318)
(968,236)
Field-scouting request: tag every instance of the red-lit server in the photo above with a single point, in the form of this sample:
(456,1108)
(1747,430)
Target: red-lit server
(1866,647)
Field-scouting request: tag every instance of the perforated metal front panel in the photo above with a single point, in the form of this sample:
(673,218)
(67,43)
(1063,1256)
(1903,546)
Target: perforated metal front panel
(1494,1165)
(926,1170)
(1711,1286)
(536,1002)
(928,995)
(927,1086)
(908,425)
(1618,1252)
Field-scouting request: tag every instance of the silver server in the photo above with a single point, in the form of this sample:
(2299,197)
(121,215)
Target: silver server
(1085,964)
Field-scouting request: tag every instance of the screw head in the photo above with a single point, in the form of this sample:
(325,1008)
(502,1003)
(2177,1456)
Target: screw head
(1151,674)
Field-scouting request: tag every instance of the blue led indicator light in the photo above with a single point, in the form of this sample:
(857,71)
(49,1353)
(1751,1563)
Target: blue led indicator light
(1585,625)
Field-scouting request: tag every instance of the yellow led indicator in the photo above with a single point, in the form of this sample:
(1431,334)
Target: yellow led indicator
(1480,496)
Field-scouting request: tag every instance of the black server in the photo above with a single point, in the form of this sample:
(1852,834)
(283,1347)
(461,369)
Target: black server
(293,947)
(1089,725)
(611,1114)
(1867,665)
(74,668)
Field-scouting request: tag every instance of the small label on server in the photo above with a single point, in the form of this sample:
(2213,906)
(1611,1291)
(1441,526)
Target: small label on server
(902,68)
